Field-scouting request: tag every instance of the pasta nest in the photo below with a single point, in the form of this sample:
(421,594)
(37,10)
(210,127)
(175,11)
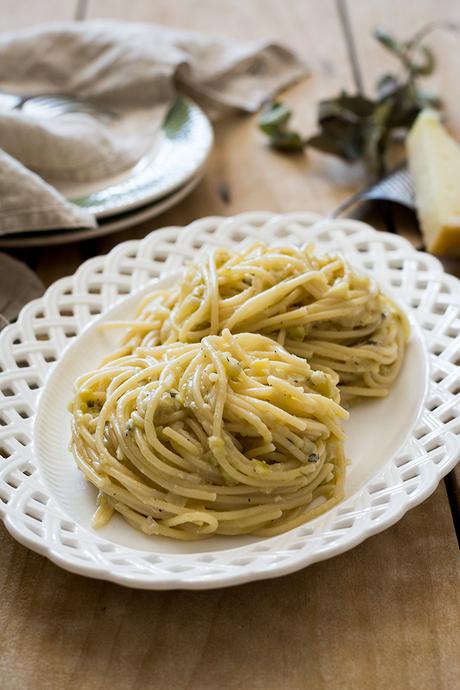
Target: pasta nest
(318,307)
(230,435)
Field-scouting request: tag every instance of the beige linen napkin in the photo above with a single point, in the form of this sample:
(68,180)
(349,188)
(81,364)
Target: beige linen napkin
(18,285)
(131,72)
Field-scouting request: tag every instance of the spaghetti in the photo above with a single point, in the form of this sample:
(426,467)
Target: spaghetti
(317,307)
(229,435)
(221,411)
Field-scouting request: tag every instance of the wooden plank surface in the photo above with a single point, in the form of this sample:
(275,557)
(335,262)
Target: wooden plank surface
(385,615)
(16,14)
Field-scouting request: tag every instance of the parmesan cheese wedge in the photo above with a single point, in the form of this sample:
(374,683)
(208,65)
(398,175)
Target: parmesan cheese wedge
(434,163)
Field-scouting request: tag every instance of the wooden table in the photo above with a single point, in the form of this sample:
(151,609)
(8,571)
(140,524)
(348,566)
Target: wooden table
(385,615)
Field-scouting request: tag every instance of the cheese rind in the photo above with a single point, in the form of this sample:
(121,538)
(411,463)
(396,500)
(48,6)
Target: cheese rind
(434,163)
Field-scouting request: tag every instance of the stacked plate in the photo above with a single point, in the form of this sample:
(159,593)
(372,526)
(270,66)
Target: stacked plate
(164,176)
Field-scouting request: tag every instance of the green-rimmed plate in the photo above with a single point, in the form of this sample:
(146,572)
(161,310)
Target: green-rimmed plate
(106,226)
(178,153)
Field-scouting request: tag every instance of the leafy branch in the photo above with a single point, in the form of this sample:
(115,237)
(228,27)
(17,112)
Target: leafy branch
(355,127)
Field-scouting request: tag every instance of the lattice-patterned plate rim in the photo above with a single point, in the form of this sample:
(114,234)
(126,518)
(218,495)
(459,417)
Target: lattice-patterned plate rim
(29,349)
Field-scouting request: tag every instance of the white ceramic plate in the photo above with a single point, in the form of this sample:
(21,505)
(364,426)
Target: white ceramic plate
(107,226)
(47,505)
(52,430)
(179,151)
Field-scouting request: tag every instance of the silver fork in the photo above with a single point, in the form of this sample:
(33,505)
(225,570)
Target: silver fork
(395,187)
(51,105)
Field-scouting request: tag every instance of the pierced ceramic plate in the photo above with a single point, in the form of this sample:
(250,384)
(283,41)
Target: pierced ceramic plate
(179,151)
(47,505)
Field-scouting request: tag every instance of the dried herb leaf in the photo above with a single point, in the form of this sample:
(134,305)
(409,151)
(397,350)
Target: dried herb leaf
(288,141)
(389,42)
(352,108)
(386,85)
(274,122)
(274,117)
(426,67)
(340,138)
(377,138)
(406,51)
(356,127)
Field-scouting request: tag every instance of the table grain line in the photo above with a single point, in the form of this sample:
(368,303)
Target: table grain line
(352,54)
(81,10)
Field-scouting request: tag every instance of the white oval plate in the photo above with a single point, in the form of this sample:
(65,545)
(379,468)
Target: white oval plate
(78,498)
(46,504)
